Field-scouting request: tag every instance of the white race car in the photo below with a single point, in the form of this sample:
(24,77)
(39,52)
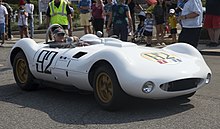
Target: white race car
(112,69)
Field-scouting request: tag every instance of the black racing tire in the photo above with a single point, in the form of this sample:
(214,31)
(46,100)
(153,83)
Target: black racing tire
(23,77)
(107,90)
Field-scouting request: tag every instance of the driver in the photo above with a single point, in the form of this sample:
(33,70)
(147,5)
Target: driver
(59,36)
(60,40)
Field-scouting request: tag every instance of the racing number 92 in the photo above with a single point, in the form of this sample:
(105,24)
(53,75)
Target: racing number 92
(44,61)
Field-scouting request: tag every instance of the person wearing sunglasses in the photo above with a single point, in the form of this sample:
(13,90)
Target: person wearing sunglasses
(59,35)
(61,41)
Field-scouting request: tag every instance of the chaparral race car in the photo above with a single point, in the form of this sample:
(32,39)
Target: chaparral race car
(112,69)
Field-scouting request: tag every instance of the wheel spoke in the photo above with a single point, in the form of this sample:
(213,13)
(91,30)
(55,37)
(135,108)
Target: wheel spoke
(104,78)
(22,70)
(104,87)
(22,64)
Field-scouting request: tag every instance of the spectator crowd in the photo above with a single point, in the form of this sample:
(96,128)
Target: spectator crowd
(118,17)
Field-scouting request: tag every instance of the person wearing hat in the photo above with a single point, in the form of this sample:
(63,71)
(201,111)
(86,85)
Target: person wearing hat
(138,32)
(148,28)
(60,39)
(172,22)
(23,22)
(59,35)
(21,2)
(142,17)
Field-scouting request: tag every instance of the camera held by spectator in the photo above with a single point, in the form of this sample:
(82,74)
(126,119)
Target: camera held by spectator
(178,9)
(22,11)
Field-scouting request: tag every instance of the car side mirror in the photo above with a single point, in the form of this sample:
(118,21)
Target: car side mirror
(99,34)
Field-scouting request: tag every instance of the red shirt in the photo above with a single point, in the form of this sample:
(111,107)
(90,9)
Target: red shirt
(97,11)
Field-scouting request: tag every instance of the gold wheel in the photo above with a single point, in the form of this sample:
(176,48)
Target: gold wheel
(107,90)
(23,77)
(104,87)
(22,70)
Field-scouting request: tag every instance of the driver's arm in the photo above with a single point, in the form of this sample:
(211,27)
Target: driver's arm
(75,39)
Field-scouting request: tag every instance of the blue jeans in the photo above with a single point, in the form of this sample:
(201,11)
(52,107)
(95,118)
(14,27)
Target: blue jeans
(2,28)
(31,24)
(121,31)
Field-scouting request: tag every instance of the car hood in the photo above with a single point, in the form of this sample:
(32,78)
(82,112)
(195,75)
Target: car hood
(155,61)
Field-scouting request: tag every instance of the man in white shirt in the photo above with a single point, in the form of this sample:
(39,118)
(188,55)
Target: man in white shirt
(29,8)
(8,28)
(191,18)
(3,21)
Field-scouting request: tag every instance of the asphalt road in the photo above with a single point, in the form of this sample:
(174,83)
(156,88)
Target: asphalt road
(51,108)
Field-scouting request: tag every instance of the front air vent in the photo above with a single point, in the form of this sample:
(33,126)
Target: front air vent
(180,85)
(79,54)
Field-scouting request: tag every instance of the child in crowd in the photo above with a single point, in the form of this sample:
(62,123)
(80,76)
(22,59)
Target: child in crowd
(172,21)
(23,22)
(141,17)
(138,34)
(148,28)
(145,28)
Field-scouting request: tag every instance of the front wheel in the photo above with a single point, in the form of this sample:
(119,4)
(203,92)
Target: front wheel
(22,74)
(107,89)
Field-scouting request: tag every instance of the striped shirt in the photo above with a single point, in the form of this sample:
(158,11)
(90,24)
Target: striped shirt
(148,24)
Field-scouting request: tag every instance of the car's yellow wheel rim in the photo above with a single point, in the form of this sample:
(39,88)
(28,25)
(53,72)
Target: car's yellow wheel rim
(104,87)
(22,70)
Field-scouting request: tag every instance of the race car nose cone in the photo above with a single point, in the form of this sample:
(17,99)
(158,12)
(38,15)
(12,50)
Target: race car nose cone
(148,87)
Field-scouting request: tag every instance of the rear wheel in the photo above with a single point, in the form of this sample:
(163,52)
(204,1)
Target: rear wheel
(22,74)
(107,90)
